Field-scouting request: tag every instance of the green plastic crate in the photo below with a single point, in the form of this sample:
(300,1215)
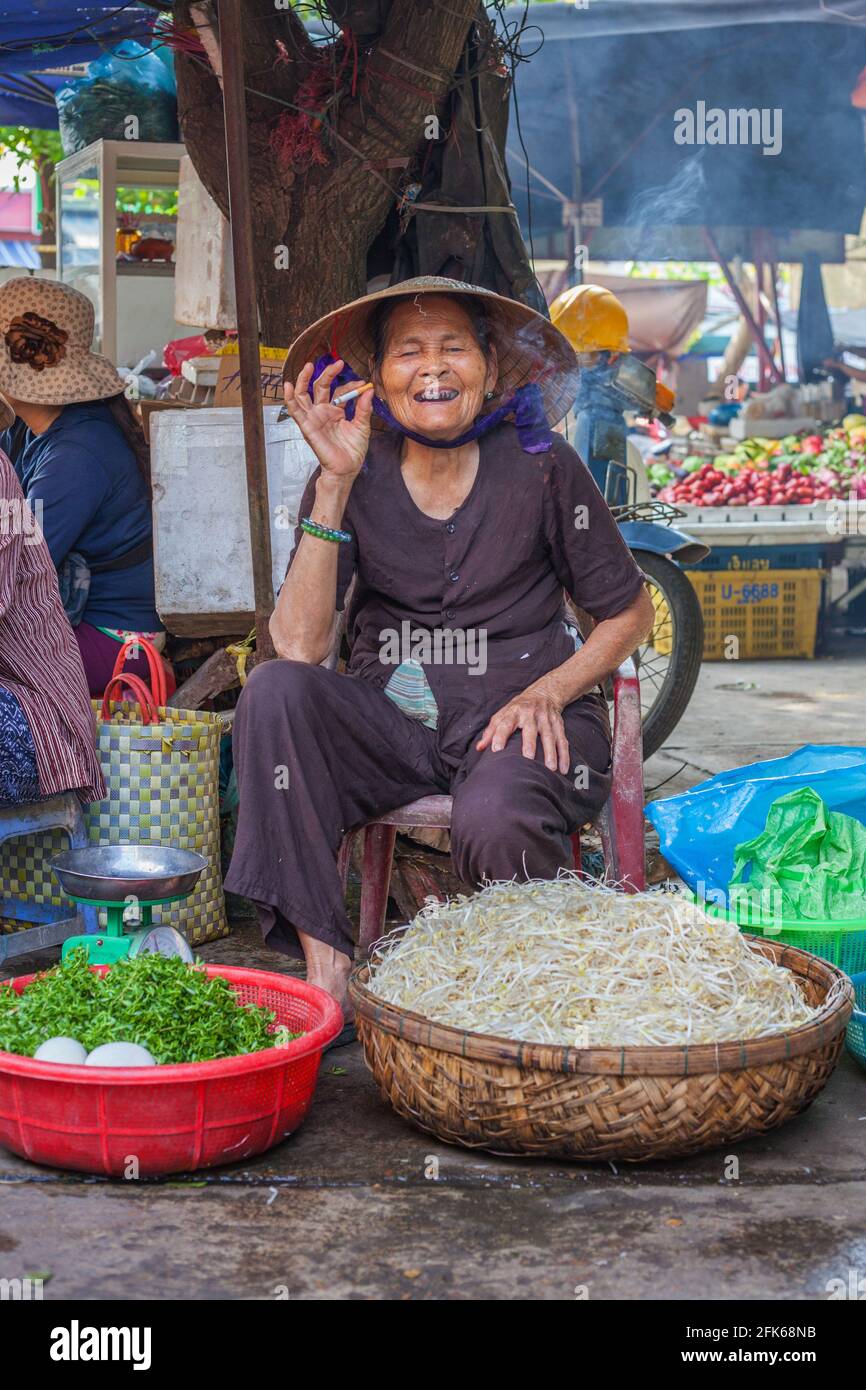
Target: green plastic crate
(841,943)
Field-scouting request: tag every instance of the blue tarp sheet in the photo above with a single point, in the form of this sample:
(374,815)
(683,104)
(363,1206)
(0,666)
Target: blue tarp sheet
(39,34)
(700,829)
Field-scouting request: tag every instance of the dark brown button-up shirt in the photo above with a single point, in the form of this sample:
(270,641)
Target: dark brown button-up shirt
(492,575)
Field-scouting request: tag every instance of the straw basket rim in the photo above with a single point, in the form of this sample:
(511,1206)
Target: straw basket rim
(665,1060)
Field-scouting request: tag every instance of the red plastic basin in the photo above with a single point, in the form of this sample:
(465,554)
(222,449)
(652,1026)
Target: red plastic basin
(143,1121)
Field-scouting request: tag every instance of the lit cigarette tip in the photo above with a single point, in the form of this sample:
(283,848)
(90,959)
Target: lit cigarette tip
(352,395)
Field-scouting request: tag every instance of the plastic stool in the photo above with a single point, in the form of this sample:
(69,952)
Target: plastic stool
(62,812)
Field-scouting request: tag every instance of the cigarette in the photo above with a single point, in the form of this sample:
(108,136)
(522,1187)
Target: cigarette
(352,395)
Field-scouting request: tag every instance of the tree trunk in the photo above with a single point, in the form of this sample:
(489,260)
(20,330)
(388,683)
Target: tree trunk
(47,223)
(313,227)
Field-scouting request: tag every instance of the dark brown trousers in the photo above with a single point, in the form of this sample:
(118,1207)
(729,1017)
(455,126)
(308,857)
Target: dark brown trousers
(318,753)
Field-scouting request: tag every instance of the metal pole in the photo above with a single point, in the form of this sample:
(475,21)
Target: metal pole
(762,349)
(765,380)
(777,313)
(240,217)
(574,238)
(774,272)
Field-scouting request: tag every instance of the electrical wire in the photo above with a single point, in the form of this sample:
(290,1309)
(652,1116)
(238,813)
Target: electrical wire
(512,50)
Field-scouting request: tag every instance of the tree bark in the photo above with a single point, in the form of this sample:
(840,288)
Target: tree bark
(45,171)
(326,217)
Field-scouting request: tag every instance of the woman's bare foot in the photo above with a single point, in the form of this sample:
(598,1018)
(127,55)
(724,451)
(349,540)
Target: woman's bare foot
(328,969)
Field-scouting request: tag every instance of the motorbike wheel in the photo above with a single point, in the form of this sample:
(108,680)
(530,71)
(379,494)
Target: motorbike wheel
(669,661)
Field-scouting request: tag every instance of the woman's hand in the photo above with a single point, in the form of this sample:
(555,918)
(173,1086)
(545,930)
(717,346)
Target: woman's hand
(339,444)
(537,712)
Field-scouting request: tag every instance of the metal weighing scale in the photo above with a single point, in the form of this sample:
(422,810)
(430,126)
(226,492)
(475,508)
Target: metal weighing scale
(128,882)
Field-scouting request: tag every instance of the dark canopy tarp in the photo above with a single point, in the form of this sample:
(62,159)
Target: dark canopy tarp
(614,99)
(605,17)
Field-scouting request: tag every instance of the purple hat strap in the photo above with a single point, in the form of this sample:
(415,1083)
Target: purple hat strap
(526,404)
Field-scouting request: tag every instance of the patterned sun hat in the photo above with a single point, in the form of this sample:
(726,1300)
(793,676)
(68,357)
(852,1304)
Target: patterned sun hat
(46,329)
(528,347)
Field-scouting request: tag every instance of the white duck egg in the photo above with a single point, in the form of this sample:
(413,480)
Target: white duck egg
(61,1049)
(120,1054)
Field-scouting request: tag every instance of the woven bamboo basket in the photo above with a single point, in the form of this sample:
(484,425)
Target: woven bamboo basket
(588,1104)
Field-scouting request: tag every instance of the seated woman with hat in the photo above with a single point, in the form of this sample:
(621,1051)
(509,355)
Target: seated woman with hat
(459,523)
(83,464)
(47,729)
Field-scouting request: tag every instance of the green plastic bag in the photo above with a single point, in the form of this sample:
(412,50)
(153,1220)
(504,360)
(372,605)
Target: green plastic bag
(809,861)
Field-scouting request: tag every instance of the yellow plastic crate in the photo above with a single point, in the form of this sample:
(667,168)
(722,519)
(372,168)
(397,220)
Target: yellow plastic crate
(771,613)
(661,637)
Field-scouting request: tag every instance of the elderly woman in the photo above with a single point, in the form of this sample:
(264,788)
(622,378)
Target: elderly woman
(461,530)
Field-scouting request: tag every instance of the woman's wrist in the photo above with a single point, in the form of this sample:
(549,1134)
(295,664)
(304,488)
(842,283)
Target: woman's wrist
(332,494)
(557,687)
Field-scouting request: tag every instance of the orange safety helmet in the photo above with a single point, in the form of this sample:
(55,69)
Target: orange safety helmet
(591,318)
(665,398)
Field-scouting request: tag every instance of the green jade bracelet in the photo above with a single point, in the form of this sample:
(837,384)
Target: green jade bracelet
(324,533)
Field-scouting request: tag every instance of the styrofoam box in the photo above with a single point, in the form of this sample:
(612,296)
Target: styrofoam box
(741,428)
(808,524)
(201,520)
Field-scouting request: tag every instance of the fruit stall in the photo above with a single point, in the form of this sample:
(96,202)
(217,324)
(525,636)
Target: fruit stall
(786,522)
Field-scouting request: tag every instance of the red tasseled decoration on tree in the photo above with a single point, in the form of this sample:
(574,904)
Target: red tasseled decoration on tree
(296,138)
(295,144)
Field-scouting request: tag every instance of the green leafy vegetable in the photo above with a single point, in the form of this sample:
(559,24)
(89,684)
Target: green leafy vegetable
(171,1008)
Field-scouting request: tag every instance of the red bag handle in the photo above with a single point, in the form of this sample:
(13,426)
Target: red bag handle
(154,662)
(140,691)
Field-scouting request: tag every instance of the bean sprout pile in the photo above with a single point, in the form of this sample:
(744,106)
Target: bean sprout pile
(581,965)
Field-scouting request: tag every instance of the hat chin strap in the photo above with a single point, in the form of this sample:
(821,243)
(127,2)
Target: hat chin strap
(526,404)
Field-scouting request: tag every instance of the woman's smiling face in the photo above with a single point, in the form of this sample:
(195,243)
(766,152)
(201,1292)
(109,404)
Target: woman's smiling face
(433,373)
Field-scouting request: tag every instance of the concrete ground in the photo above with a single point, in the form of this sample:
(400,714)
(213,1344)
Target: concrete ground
(353,1206)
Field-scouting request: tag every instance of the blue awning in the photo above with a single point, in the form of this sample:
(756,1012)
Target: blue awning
(22,254)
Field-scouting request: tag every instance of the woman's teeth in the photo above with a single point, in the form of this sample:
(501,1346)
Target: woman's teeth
(436,393)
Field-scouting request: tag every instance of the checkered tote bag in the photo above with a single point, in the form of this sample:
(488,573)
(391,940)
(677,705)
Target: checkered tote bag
(161,767)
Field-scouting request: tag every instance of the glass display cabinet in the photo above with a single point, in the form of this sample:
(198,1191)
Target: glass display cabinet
(116,222)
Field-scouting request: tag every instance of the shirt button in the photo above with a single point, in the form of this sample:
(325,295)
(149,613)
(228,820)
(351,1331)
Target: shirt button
(451,528)
(454,576)
(450,613)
